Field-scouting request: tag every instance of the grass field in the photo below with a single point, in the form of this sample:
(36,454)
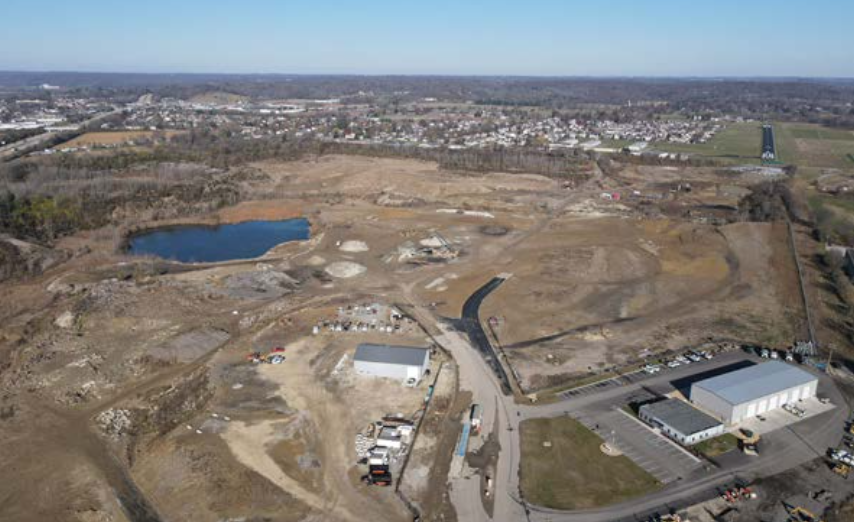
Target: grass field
(573,473)
(814,146)
(718,446)
(740,142)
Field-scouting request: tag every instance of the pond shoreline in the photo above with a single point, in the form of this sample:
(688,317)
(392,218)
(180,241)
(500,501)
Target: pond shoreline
(214,242)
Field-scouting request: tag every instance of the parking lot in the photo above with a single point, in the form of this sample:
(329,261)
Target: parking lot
(636,377)
(659,456)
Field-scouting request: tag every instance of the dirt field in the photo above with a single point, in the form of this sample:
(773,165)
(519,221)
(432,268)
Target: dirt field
(132,372)
(115,138)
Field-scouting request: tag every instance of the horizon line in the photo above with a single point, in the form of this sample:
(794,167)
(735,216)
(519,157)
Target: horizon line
(435,75)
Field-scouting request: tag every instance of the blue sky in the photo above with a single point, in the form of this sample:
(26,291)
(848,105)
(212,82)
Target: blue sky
(534,37)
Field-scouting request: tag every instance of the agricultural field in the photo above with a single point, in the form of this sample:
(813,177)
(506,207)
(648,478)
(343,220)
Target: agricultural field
(739,142)
(563,467)
(814,146)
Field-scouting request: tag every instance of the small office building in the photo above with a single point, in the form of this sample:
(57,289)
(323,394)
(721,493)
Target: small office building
(680,421)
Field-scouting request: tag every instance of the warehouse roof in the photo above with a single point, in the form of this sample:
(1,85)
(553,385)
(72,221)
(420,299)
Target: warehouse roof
(755,382)
(387,354)
(680,416)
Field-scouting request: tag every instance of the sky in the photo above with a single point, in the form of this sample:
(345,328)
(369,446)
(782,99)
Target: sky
(463,37)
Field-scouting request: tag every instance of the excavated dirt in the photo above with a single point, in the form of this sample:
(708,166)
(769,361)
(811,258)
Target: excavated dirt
(127,395)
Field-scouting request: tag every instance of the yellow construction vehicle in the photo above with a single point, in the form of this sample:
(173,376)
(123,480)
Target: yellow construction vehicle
(800,514)
(842,469)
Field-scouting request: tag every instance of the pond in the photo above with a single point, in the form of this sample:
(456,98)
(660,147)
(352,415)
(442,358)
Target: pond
(208,244)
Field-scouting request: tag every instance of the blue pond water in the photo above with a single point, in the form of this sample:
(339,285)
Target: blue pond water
(206,244)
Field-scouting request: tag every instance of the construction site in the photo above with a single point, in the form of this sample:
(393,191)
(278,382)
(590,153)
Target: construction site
(232,390)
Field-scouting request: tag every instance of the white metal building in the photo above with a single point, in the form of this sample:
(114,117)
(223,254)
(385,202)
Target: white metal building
(405,363)
(754,390)
(681,421)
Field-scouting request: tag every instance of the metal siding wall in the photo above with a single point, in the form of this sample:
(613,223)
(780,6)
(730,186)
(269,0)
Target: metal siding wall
(375,369)
(712,403)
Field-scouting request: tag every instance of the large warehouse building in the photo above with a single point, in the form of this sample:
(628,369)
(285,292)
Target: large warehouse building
(681,421)
(405,363)
(752,391)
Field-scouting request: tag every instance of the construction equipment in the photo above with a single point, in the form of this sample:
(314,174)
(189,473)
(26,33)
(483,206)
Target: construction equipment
(801,514)
(748,441)
(378,475)
(276,356)
(842,469)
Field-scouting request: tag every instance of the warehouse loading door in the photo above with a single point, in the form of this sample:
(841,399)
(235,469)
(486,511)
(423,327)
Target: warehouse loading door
(763,407)
(772,403)
(751,409)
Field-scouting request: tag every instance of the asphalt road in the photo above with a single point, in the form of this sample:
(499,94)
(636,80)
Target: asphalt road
(477,336)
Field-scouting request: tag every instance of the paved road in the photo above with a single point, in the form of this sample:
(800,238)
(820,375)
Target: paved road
(477,336)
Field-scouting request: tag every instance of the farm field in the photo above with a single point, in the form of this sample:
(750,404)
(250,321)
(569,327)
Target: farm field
(563,467)
(814,146)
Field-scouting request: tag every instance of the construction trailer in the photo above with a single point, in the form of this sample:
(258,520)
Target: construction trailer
(754,390)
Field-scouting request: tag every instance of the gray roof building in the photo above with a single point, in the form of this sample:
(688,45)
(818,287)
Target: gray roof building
(680,416)
(388,354)
(407,363)
(754,382)
(754,390)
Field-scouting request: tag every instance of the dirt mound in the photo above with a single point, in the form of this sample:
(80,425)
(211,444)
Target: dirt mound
(354,246)
(345,269)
